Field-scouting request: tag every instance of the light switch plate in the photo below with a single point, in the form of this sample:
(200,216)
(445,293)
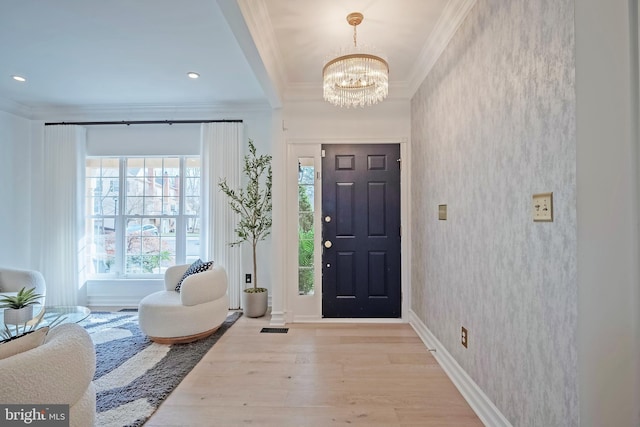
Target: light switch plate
(442,212)
(543,207)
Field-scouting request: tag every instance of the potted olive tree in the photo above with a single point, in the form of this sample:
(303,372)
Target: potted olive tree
(18,309)
(252,204)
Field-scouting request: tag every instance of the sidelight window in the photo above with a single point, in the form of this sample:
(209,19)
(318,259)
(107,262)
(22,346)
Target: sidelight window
(306,174)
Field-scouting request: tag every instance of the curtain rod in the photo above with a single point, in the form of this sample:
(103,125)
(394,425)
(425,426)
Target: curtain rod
(143,122)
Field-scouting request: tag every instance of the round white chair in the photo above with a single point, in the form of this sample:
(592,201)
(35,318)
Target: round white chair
(60,371)
(197,311)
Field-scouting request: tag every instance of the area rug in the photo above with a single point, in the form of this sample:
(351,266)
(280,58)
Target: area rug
(133,374)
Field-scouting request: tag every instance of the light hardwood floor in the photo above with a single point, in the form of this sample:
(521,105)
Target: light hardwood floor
(316,375)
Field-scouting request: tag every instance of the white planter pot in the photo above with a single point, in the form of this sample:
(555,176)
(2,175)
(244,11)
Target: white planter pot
(255,304)
(18,316)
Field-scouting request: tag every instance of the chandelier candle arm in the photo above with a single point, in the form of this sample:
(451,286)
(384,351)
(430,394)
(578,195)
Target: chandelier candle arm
(357,78)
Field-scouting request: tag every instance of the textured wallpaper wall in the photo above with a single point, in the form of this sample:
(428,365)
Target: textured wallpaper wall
(492,124)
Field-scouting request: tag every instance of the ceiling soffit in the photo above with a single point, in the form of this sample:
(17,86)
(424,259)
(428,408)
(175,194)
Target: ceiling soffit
(258,21)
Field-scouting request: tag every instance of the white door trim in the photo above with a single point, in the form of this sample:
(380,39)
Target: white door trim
(311,147)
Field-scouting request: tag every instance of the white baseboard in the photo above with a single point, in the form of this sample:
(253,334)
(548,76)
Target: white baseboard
(110,301)
(315,318)
(357,320)
(277,318)
(488,413)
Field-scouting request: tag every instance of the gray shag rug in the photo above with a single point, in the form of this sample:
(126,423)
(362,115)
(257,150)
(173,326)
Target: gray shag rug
(133,374)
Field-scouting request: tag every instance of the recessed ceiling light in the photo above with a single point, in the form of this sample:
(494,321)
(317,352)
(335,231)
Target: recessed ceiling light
(193,75)
(19,78)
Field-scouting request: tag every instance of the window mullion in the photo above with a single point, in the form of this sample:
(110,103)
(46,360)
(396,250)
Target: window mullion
(122,191)
(180,222)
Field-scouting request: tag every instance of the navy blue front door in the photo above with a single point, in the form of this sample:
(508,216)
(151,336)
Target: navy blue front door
(361,231)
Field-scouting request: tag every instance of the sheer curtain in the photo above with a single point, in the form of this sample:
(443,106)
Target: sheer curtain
(63,219)
(220,151)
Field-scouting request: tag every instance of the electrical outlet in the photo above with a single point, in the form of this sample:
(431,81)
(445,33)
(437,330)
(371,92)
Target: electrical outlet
(464,337)
(247,278)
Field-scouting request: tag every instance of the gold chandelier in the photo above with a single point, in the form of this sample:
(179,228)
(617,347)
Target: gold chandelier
(355,78)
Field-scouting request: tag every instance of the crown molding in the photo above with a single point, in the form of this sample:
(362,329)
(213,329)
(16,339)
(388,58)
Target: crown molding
(147,111)
(349,141)
(15,108)
(238,23)
(258,21)
(452,17)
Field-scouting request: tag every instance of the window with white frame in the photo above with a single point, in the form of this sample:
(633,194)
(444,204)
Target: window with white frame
(306,245)
(142,214)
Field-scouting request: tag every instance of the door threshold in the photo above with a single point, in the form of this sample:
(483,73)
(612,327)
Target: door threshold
(353,320)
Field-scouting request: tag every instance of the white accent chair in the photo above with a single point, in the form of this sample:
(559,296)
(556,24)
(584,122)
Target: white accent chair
(12,280)
(60,371)
(197,311)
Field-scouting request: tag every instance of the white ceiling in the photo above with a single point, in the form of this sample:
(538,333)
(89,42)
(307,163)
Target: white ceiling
(310,31)
(116,53)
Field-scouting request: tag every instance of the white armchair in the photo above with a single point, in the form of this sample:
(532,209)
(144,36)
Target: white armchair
(60,371)
(195,312)
(12,280)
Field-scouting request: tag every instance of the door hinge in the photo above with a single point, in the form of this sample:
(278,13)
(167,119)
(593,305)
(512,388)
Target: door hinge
(400,163)
(400,231)
(323,153)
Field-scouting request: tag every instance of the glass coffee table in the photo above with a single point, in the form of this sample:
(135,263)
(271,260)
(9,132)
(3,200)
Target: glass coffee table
(52,317)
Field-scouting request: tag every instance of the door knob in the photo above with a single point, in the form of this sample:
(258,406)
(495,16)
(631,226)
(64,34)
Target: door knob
(328,244)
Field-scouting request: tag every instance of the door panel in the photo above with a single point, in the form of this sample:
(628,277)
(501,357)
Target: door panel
(377,197)
(346,275)
(361,211)
(377,276)
(345,200)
